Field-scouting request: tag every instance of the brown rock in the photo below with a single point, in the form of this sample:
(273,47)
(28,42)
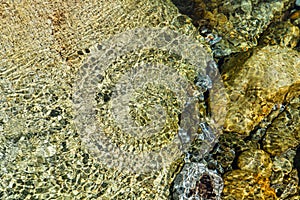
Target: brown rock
(269,77)
(284,132)
(240,184)
(255,161)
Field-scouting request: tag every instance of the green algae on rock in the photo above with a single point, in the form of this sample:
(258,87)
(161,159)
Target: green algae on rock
(267,79)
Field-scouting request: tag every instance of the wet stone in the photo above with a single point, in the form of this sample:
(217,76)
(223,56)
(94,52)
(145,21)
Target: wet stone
(225,154)
(240,184)
(225,151)
(284,178)
(284,132)
(196,181)
(288,185)
(259,85)
(282,164)
(239,23)
(284,34)
(296,197)
(43,48)
(255,161)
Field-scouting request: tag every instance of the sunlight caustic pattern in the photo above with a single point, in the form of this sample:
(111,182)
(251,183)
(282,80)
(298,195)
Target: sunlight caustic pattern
(140,99)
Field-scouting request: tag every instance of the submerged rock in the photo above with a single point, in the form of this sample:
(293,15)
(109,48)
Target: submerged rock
(196,181)
(43,45)
(263,87)
(256,161)
(284,34)
(240,184)
(238,22)
(268,79)
(284,132)
(284,178)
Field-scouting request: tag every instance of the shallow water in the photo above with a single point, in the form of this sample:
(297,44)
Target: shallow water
(91,108)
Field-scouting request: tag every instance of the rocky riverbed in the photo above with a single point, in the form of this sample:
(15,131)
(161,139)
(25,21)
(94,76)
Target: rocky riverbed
(213,110)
